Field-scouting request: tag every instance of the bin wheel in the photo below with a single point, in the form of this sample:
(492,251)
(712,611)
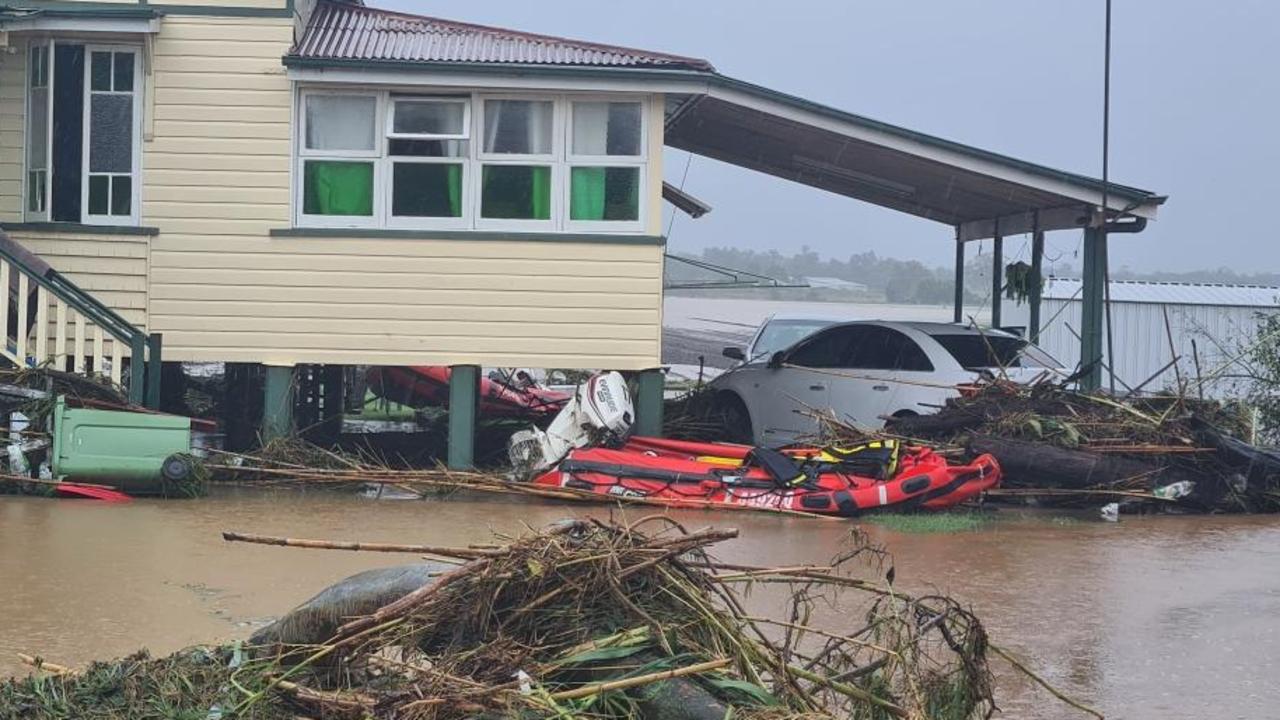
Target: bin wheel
(177,468)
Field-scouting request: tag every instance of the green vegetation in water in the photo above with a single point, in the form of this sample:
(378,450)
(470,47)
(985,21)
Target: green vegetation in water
(188,685)
(943,522)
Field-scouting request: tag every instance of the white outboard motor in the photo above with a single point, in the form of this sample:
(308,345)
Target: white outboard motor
(599,413)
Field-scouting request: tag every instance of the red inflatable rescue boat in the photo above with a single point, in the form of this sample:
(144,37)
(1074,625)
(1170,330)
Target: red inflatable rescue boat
(829,481)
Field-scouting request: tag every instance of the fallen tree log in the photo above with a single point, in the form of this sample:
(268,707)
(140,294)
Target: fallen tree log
(1040,465)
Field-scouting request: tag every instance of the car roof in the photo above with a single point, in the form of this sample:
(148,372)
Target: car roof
(934,328)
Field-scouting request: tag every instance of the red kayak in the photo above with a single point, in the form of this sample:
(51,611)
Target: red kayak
(829,481)
(92,492)
(421,386)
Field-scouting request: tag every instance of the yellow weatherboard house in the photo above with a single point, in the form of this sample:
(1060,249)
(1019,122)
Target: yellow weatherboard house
(303,182)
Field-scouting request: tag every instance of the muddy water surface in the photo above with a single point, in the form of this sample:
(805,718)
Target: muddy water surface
(1147,618)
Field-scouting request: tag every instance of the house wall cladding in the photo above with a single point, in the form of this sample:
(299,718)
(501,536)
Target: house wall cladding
(216,181)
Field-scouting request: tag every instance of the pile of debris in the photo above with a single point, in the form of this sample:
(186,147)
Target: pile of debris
(1065,446)
(587,618)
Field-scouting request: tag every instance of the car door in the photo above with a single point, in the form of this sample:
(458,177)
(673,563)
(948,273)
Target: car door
(886,372)
(787,395)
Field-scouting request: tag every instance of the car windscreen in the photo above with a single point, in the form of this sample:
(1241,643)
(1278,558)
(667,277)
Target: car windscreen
(782,334)
(974,351)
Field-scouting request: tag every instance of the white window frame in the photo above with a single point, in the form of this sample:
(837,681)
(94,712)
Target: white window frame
(394,98)
(302,154)
(640,160)
(135,174)
(560,160)
(551,160)
(28,214)
(389,161)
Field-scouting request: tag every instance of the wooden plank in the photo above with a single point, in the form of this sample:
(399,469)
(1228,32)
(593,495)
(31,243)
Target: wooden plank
(357,356)
(60,335)
(376,295)
(212,114)
(282,279)
(42,325)
(355,331)
(165,180)
(287,308)
(4,312)
(117,359)
(214,89)
(274,131)
(172,240)
(178,336)
(20,331)
(383,264)
(78,350)
(98,354)
(194,208)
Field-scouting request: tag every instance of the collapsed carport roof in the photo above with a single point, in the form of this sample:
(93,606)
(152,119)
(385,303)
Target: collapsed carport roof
(793,138)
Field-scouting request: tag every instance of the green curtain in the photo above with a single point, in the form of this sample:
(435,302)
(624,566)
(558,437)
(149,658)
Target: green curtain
(455,190)
(338,188)
(586,188)
(541,199)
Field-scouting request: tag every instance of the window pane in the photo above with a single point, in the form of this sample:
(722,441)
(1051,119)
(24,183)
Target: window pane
(427,148)
(100,71)
(424,117)
(124,72)
(36,181)
(38,66)
(110,133)
(518,127)
(337,188)
(606,128)
(598,193)
(426,190)
(340,122)
(518,192)
(121,194)
(99,186)
(38,128)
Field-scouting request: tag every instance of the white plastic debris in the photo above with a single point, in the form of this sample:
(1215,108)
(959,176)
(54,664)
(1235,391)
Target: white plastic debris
(1176,490)
(1111,512)
(525,681)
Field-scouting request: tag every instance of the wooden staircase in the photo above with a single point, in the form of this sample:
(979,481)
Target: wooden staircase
(48,321)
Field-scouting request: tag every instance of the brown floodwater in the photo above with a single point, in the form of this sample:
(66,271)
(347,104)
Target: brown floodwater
(1146,618)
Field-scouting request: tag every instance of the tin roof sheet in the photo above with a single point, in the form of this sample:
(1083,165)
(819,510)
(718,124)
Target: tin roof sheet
(1172,293)
(340,31)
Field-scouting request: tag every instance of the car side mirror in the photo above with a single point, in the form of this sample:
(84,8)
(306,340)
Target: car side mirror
(734,352)
(776,360)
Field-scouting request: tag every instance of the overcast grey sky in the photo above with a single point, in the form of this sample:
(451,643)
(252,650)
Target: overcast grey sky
(1195,107)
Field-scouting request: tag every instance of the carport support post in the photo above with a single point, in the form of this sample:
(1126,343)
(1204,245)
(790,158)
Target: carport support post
(997,275)
(959,311)
(1037,280)
(649,386)
(1091,307)
(277,403)
(464,400)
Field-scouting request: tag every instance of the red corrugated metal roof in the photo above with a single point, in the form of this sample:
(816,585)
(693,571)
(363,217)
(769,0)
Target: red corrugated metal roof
(339,31)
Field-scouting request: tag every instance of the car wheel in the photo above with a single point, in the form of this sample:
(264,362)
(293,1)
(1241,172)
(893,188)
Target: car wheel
(731,414)
(905,414)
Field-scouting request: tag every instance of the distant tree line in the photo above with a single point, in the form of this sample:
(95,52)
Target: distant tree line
(894,280)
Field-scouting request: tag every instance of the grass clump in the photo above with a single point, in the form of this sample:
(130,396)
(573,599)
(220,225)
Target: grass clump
(939,522)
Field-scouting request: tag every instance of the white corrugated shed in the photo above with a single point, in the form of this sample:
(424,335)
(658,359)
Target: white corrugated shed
(1215,322)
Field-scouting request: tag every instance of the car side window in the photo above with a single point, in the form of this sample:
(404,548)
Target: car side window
(881,348)
(826,349)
